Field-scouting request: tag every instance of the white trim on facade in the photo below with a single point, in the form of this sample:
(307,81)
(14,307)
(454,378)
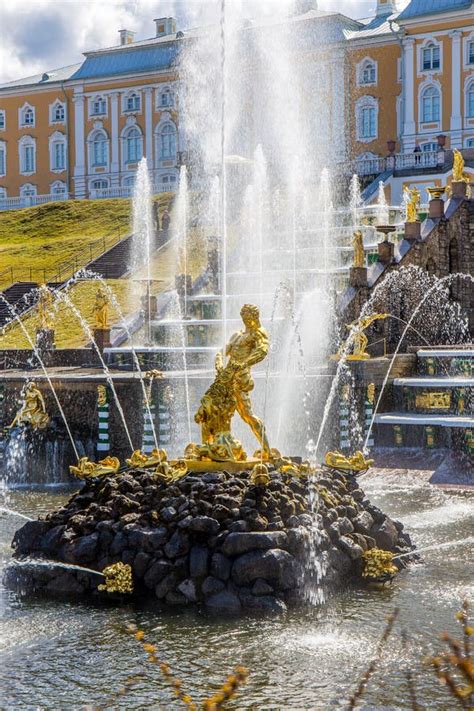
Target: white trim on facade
(468,87)
(98,164)
(28,190)
(364,65)
(24,156)
(366,102)
(465,51)
(430,41)
(22,113)
(425,126)
(97,98)
(126,96)
(57,104)
(57,139)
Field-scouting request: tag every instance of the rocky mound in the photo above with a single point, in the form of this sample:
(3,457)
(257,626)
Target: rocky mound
(213,539)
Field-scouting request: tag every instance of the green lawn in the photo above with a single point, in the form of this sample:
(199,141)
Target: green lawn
(35,240)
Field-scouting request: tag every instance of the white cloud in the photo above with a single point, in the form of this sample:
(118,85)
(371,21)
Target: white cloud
(38,35)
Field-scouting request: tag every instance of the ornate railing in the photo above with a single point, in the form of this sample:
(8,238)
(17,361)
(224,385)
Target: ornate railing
(400,161)
(16,203)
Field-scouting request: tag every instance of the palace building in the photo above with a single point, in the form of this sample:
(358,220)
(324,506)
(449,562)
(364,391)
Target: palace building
(405,99)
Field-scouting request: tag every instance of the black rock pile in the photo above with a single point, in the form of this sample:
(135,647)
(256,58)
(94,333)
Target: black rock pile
(214,539)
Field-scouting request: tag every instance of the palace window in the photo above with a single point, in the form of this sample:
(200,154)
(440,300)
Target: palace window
(99,149)
(368,73)
(166,99)
(3,121)
(470,143)
(3,193)
(470,100)
(27,155)
(168,142)
(366,114)
(3,161)
(470,52)
(132,102)
(431,57)
(59,155)
(58,188)
(430,105)
(98,106)
(28,190)
(27,116)
(430,147)
(57,113)
(99,185)
(133,145)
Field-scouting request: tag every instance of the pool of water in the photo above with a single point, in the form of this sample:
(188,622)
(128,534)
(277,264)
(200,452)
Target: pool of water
(70,655)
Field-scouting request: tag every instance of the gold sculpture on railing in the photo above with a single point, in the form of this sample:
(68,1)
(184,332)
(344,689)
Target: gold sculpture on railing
(33,409)
(230,393)
(101,309)
(357,462)
(85,469)
(458,168)
(358,259)
(413,203)
(45,307)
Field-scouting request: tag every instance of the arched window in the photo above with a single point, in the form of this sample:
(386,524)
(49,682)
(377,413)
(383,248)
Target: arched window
(57,112)
(470,100)
(27,116)
(430,105)
(133,145)
(368,74)
(99,185)
(132,102)
(28,190)
(168,142)
(430,57)
(58,188)
(27,151)
(166,98)
(99,148)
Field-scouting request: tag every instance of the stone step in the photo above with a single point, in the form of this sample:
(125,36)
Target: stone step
(435,382)
(403,418)
(446,353)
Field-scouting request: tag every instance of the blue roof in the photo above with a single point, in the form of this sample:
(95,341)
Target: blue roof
(128,61)
(418,8)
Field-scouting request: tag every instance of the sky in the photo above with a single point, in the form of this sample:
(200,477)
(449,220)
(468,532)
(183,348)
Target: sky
(40,35)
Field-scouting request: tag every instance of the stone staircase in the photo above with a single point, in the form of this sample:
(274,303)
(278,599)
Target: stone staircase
(114,263)
(434,408)
(14,294)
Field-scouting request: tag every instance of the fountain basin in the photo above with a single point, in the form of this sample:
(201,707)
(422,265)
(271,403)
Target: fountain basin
(211,539)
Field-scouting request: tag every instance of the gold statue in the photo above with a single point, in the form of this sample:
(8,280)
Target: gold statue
(86,469)
(101,395)
(357,462)
(413,203)
(101,309)
(230,392)
(359,254)
(118,578)
(33,409)
(458,167)
(45,307)
(138,460)
(358,338)
(371,393)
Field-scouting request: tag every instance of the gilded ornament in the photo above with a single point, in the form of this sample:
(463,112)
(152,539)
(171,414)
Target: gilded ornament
(371,393)
(85,469)
(101,395)
(359,254)
(33,409)
(378,565)
(118,579)
(101,309)
(413,203)
(357,462)
(45,307)
(433,400)
(139,460)
(458,167)
(230,393)
(259,475)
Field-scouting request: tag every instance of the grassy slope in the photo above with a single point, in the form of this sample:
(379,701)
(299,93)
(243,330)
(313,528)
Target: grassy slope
(69,332)
(42,237)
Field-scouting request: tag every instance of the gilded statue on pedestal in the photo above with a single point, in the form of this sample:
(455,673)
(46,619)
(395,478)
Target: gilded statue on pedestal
(230,392)
(45,307)
(413,203)
(101,309)
(458,167)
(359,339)
(357,462)
(359,254)
(33,409)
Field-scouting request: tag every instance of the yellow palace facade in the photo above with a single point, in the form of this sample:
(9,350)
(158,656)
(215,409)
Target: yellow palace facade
(405,99)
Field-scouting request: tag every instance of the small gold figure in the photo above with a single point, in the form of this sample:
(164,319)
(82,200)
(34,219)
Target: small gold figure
(359,254)
(371,393)
(101,395)
(458,167)
(138,460)
(230,392)
(101,309)
(33,409)
(45,307)
(118,578)
(85,469)
(359,339)
(357,462)
(413,203)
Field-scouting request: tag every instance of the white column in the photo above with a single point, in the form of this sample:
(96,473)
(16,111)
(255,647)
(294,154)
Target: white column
(409,126)
(456,118)
(79,143)
(338,109)
(149,127)
(115,157)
